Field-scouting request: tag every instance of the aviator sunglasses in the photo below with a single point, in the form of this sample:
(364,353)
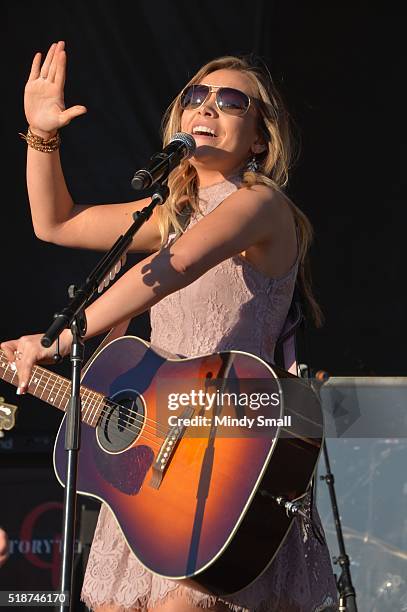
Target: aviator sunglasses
(228,100)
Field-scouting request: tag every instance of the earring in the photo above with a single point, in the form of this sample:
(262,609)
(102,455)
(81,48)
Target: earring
(252,165)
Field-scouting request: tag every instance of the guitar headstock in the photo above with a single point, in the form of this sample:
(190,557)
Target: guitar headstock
(7,416)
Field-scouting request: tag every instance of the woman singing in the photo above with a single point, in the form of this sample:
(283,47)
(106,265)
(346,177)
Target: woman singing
(222,259)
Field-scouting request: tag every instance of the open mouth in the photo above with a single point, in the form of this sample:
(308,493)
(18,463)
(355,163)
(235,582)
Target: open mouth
(202,130)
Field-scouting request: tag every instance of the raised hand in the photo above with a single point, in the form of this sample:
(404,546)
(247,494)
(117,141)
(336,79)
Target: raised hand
(44,103)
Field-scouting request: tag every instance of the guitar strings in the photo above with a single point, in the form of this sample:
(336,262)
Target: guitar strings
(146,434)
(86,412)
(102,401)
(65,385)
(102,408)
(39,371)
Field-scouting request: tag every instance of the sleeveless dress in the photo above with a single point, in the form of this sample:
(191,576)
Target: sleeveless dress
(232,306)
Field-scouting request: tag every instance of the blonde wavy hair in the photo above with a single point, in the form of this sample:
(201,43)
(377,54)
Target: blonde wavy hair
(273,164)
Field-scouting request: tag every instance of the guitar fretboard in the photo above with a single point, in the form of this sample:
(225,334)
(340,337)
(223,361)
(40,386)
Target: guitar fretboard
(56,390)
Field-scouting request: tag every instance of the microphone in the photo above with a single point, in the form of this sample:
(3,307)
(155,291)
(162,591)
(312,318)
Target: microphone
(181,146)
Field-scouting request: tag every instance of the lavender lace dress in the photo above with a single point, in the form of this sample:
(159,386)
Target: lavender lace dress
(232,306)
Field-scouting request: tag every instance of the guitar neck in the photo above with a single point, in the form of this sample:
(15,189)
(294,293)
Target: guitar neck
(55,390)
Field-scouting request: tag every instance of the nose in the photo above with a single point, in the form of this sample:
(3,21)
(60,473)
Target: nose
(209,106)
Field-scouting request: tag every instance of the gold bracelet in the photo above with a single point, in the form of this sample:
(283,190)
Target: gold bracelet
(42,144)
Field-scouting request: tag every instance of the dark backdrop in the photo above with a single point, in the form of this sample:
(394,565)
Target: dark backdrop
(339,67)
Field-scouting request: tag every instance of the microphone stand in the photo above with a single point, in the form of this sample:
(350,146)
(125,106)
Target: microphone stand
(347,594)
(73,316)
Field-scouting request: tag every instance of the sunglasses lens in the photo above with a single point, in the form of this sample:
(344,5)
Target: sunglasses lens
(232,101)
(229,100)
(193,96)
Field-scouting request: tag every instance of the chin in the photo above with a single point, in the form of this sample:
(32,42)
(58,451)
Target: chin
(209,156)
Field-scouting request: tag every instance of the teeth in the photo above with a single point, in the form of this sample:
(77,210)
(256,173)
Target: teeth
(203,128)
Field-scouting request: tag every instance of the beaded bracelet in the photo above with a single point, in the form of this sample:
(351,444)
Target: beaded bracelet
(41,144)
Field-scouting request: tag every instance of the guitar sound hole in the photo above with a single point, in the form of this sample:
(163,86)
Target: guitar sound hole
(122,421)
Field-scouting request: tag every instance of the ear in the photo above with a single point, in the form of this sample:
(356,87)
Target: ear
(258,146)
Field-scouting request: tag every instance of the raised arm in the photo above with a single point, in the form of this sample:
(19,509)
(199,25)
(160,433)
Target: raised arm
(55,216)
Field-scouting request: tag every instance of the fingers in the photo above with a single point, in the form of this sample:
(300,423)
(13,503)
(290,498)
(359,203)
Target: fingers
(72,112)
(54,62)
(24,364)
(21,356)
(9,348)
(60,71)
(13,355)
(35,67)
(47,62)
(50,66)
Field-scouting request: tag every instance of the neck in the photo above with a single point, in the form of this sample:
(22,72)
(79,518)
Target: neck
(208,177)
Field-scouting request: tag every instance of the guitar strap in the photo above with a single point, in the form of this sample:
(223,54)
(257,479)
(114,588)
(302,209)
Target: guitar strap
(288,336)
(295,322)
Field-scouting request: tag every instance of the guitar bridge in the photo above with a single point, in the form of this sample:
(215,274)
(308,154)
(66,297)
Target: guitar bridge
(167,449)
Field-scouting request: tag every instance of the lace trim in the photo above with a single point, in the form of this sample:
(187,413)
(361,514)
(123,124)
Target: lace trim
(297,579)
(144,603)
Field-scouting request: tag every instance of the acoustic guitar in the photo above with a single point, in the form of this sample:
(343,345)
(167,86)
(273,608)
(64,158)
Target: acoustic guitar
(190,455)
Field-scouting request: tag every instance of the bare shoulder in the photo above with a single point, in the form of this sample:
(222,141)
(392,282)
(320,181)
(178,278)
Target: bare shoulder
(266,201)
(263,194)
(276,251)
